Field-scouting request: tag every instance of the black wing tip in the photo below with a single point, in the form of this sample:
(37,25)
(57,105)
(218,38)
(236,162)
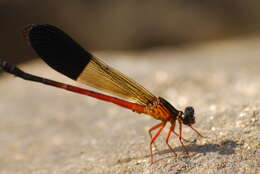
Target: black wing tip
(25,33)
(27,29)
(30,28)
(57,49)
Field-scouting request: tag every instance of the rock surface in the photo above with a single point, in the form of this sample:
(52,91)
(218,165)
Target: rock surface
(47,130)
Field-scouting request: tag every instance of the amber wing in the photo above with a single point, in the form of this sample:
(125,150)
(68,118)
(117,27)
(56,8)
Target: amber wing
(101,76)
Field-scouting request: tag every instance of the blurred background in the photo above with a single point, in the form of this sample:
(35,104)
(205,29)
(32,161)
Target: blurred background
(129,24)
(211,58)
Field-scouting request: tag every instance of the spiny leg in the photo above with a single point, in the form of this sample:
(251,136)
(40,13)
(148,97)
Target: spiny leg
(180,137)
(154,138)
(175,133)
(196,131)
(168,137)
(152,129)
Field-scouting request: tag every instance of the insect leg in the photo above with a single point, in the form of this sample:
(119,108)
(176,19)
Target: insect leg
(152,129)
(180,137)
(154,138)
(168,137)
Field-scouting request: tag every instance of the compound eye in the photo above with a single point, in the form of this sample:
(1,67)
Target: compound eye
(189,116)
(189,111)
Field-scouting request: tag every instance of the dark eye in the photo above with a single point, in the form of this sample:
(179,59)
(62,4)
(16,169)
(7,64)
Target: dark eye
(189,116)
(189,111)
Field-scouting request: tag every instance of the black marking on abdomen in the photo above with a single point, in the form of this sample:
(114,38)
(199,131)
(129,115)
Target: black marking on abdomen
(58,49)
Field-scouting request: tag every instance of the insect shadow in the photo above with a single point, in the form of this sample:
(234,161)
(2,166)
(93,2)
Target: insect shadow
(226,147)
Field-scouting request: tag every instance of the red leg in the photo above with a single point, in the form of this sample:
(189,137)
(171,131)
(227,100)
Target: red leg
(173,122)
(196,131)
(168,137)
(152,129)
(180,138)
(154,138)
(175,133)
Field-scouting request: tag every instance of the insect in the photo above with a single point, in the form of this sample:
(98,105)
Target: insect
(66,56)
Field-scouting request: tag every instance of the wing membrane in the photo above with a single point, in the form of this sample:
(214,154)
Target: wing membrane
(101,76)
